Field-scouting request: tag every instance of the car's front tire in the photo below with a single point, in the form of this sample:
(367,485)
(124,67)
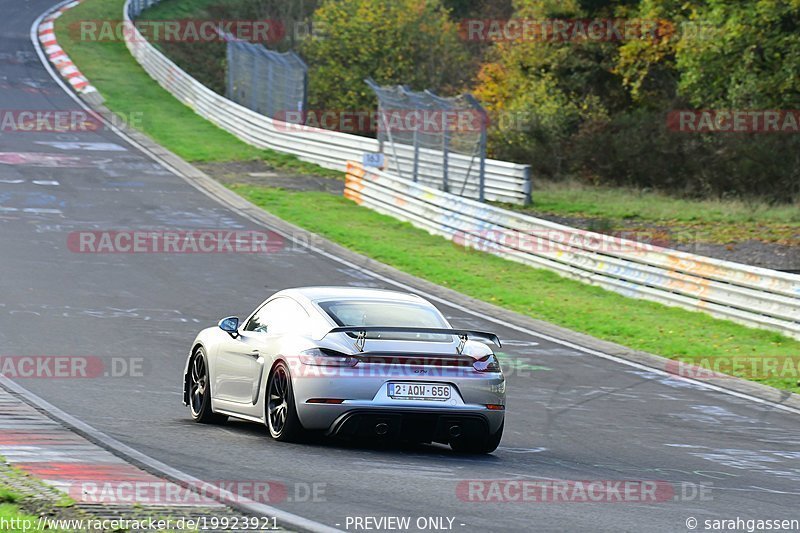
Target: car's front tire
(281,412)
(200,391)
(485,445)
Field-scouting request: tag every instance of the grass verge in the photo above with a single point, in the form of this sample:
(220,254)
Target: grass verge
(12,517)
(642,325)
(15,520)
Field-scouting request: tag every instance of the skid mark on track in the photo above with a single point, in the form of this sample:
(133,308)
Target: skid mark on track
(104,313)
(66,228)
(40,159)
(29,86)
(359,279)
(712,415)
(19,57)
(768,463)
(204,218)
(32,210)
(674,382)
(87,146)
(399,468)
(30,199)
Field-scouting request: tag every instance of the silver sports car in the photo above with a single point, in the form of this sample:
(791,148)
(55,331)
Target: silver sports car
(350,362)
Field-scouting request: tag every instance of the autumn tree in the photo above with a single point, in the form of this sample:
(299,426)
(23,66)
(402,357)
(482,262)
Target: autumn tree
(408,42)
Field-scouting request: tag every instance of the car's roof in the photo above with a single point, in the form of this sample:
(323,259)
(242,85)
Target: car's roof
(316,294)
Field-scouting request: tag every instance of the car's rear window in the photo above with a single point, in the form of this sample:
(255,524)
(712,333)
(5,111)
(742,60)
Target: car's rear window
(394,314)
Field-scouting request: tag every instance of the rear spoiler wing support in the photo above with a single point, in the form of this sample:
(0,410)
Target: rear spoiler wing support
(463,334)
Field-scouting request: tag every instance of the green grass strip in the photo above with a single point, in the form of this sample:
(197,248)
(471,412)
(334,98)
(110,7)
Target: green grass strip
(12,517)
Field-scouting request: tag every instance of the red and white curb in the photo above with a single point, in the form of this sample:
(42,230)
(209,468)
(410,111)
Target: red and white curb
(45,449)
(58,57)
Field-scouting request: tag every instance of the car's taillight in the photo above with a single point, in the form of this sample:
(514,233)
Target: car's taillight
(487,364)
(323,357)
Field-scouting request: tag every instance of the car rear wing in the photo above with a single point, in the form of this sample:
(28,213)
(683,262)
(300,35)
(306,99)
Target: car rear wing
(463,334)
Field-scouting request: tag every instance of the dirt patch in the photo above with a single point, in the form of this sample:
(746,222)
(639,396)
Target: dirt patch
(262,174)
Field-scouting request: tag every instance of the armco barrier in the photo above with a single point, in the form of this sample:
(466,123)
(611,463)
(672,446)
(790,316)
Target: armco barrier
(505,182)
(752,296)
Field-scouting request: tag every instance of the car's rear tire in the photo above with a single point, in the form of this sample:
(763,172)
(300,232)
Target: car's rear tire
(488,444)
(200,391)
(281,414)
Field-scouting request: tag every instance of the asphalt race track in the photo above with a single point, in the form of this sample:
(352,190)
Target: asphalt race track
(572,416)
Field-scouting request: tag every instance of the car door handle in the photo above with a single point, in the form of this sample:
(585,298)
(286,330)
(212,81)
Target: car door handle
(255,353)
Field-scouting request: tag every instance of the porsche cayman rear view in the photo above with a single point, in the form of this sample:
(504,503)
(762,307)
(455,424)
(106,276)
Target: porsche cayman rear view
(354,363)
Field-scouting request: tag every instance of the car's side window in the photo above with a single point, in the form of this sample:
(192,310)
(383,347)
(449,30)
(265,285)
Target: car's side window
(278,317)
(289,317)
(259,322)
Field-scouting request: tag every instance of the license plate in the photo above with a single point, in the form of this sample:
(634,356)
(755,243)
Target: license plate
(419,391)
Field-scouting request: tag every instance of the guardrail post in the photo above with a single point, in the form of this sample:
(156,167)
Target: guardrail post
(254,78)
(304,103)
(416,153)
(482,169)
(231,66)
(527,186)
(445,162)
(270,100)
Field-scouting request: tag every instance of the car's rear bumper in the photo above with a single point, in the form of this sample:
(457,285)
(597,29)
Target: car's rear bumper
(411,423)
(415,425)
(362,392)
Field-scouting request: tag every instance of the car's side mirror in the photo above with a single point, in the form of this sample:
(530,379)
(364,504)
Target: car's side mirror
(230,326)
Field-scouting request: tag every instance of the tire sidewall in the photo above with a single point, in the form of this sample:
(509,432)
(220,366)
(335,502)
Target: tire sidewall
(291,427)
(205,408)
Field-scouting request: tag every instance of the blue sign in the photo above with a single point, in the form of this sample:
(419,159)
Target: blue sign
(372,159)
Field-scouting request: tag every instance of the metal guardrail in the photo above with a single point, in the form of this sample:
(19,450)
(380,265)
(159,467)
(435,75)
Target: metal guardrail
(505,182)
(753,296)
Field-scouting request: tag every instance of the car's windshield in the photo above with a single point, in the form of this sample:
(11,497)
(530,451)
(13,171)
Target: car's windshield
(382,313)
